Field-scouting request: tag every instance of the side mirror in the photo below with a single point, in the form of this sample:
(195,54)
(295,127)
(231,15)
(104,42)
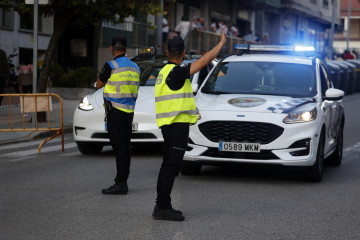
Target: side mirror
(333,94)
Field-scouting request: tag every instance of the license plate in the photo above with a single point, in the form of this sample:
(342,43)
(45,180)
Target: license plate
(239,147)
(134,126)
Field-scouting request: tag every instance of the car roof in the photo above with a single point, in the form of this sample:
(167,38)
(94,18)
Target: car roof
(282,58)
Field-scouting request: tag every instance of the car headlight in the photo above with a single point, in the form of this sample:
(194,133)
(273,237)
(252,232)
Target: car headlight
(301,116)
(85,105)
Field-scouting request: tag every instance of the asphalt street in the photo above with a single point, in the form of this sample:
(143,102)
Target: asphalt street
(57,195)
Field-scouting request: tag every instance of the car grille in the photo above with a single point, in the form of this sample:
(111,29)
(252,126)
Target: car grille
(236,131)
(133,135)
(262,155)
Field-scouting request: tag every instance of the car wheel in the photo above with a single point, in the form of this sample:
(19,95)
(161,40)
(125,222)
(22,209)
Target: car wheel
(314,173)
(190,168)
(89,148)
(336,157)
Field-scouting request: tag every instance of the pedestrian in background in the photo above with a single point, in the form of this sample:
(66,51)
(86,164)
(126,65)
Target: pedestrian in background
(355,54)
(121,79)
(165,31)
(175,112)
(26,76)
(183,27)
(4,72)
(348,55)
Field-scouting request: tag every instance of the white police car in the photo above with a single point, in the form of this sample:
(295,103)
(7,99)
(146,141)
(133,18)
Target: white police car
(88,122)
(268,105)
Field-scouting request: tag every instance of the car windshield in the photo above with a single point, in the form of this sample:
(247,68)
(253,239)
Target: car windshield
(265,78)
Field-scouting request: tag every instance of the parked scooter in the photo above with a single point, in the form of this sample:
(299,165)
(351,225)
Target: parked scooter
(14,73)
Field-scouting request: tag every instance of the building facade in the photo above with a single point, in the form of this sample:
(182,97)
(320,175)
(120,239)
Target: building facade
(304,22)
(340,41)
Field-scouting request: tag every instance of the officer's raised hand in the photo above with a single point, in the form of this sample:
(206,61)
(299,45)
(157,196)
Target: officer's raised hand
(209,56)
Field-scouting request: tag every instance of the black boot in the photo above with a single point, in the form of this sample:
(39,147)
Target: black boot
(117,188)
(168,214)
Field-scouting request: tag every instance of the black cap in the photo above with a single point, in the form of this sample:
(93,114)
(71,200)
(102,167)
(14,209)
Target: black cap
(176,44)
(119,41)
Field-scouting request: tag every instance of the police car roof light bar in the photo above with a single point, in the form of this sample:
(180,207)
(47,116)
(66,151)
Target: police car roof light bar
(273,48)
(299,48)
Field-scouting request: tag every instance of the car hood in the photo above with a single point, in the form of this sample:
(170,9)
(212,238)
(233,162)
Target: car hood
(145,102)
(249,103)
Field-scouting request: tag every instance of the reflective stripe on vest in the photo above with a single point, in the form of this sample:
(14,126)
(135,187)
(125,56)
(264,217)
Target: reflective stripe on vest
(174,96)
(122,86)
(173,106)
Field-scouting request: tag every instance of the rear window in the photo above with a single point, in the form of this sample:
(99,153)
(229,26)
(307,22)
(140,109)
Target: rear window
(264,78)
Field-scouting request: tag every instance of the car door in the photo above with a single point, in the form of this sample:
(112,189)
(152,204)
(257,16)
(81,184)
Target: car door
(331,110)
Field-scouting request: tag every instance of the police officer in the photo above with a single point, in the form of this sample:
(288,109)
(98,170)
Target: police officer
(175,111)
(121,79)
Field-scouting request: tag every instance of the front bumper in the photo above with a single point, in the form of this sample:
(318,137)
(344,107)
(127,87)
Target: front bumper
(278,151)
(89,126)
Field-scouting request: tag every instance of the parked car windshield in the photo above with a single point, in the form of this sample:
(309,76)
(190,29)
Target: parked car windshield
(265,78)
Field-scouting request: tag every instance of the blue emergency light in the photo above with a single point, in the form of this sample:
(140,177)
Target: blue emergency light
(273,48)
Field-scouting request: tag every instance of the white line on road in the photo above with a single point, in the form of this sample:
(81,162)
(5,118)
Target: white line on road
(32,143)
(355,147)
(19,159)
(34,151)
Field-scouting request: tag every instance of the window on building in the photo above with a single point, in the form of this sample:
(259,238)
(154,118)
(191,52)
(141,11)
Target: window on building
(326,3)
(7,19)
(27,21)
(313,1)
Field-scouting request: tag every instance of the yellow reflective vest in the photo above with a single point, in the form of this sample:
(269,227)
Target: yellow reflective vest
(173,106)
(122,86)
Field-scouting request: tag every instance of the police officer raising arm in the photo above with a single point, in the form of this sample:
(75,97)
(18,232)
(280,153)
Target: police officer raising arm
(121,79)
(175,112)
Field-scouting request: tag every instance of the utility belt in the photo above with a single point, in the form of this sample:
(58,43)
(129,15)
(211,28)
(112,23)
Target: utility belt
(108,106)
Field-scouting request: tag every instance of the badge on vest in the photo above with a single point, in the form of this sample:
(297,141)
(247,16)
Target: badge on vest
(159,79)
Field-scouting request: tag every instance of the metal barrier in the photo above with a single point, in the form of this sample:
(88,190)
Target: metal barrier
(28,106)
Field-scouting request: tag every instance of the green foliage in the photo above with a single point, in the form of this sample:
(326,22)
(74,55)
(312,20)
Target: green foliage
(79,77)
(87,11)
(56,72)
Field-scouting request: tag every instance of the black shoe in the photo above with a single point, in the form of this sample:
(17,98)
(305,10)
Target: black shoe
(177,211)
(167,214)
(117,188)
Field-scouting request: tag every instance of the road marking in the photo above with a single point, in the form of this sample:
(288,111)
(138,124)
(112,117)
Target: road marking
(77,153)
(355,147)
(32,143)
(19,159)
(43,150)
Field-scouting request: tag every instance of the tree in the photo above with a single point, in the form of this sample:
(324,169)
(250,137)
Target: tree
(82,12)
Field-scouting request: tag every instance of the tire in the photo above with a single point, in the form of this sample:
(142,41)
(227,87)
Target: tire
(190,168)
(335,158)
(314,173)
(89,148)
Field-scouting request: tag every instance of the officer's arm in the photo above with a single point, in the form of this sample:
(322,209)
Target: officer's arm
(209,56)
(104,76)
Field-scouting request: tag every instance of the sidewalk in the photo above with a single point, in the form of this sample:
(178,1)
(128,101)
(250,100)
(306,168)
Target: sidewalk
(11,137)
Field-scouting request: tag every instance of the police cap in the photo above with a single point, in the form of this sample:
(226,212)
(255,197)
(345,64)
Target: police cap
(176,44)
(119,41)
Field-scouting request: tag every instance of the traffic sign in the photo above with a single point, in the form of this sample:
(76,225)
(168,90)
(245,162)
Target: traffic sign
(39,1)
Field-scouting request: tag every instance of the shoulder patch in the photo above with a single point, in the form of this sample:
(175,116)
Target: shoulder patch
(159,79)
(184,65)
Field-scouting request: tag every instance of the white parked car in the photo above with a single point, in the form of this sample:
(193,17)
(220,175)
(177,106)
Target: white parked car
(88,123)
(267,105)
